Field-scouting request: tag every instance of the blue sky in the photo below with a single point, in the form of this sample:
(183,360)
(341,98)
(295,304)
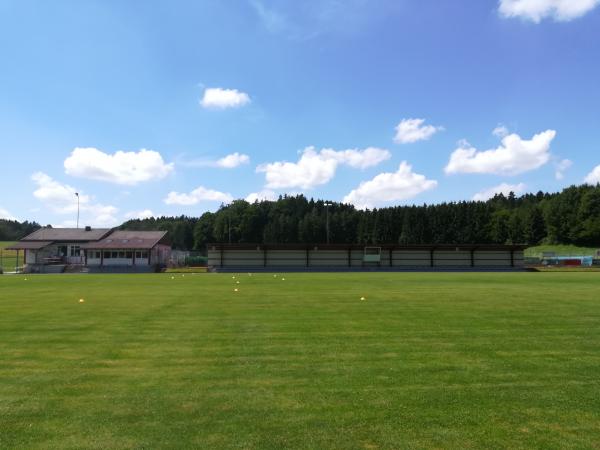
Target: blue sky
(175,107)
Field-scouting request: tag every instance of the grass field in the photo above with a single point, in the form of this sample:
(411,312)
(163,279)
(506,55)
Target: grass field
(8,258)
(430,360)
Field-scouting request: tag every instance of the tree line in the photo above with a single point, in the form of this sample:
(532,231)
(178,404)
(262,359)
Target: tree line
(13,230)
(569,217)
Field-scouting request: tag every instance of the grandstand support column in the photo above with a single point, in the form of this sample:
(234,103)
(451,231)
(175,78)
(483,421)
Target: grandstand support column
(391,257)
(221,264)
(349,256)
(472,257)
(431,257)
(307,256)
(265,256)
(512,258)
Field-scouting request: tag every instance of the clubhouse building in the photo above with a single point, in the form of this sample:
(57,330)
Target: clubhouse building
(54,249)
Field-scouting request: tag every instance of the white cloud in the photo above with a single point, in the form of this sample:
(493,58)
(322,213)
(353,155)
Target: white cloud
(233,160)
(536,10)
(503,188)
(218,98)
(196,196)
(414,130)
(127,168)
(500,131)
(309,19)
(230,161)
(265,194)
(512,157)
(61,199)
(273,21)
(65,224)
(102,221)
(560,168)
(593,177)
(100,215)
(4,214)
(317,168)
(389,187)
(358,159)
(144,214)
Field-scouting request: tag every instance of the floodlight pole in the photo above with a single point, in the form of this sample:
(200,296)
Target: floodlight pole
(327,205)
(77,195)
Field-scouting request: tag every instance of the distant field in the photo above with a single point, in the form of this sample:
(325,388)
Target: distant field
(8,258)
(430,360)
(560,250)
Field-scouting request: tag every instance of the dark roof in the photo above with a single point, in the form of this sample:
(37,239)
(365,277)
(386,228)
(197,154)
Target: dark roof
(29,245)
(459,247)
(128,240)
(67,234)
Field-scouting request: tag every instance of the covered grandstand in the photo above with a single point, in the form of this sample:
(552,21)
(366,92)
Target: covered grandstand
(322,257)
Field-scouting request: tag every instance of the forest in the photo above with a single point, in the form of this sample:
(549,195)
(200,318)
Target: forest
(12,230)
(569,217)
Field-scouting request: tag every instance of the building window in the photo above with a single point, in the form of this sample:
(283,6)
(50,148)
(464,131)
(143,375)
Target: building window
(75,250)
(115,255)
(107,255)
(97,255)
(128,255)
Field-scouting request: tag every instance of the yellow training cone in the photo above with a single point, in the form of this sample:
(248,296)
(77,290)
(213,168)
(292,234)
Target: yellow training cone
(81,300)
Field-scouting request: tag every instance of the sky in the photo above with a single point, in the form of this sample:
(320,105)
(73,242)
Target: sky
(167,108)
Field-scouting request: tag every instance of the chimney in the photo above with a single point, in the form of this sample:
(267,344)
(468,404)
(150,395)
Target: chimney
(88,228)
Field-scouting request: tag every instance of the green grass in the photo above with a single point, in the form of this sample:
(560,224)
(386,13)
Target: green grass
(433,360)
(186,270)
(567,269)
(560,250)
(8,258)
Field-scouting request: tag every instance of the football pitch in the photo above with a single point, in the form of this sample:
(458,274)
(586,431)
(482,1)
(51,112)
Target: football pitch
(426,360)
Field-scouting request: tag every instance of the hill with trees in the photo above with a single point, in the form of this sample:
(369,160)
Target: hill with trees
(569,217)
(13,230)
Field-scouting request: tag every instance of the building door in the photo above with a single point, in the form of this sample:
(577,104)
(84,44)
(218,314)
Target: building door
(75,256)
